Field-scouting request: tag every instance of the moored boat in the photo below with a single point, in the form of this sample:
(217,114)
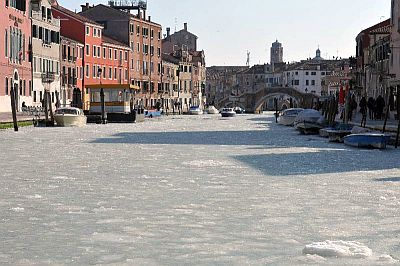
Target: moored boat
(367,140)
(195,110)
(309,121)
(70,117)
(212,110)
(288,116)
(228,112)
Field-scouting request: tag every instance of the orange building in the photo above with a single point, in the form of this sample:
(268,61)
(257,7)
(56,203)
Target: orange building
(104,62)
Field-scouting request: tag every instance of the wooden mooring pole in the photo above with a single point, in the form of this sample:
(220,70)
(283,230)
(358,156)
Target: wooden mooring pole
(398,117)
(14,107)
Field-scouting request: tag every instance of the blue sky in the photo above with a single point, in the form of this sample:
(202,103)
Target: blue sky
(228,28)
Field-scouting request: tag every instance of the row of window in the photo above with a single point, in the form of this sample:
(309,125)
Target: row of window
(96,31)
(112,53)
(23,90)
(296,82)
(46,35)
(17,4)
(145,31)
(43,65)
(14,41)
(105,72)
(308,73)
(145,49)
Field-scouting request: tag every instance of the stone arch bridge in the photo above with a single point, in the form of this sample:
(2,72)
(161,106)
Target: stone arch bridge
(261,99)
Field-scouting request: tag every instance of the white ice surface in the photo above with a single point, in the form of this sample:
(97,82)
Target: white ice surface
(196,190)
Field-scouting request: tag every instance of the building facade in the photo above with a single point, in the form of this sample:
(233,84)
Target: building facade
(394,66)
(143,36)
(45,52)
(71,58)
(104,61)
(15,58)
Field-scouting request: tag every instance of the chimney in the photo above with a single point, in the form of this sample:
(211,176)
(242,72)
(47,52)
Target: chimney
(149,19)
(144,14)
(168,32)
(185,26)
(85,7)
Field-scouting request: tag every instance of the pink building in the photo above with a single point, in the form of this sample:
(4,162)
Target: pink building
(15,70)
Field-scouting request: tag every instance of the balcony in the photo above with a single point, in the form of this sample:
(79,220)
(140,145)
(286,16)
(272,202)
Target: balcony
(48,77)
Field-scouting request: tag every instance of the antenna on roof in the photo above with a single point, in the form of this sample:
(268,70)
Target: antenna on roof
(176,23)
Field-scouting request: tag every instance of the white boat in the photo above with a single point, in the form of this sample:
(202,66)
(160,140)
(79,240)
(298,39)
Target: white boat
(228,112)
(70,117)
(195,110)
(212,110)
(288,116)
(309,121)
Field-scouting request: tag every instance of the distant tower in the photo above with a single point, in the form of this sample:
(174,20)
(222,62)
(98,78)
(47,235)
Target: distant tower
(318,55)
(276,53)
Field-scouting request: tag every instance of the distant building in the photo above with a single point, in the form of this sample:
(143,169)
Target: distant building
(306,76)
(276,53)
(182,39)
(222,82)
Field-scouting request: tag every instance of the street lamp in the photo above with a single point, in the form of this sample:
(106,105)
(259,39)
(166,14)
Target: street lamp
(103,104)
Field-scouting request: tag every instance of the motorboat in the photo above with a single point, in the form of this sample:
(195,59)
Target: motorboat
(239,110)
(228,112)
(212,110)
(309,121)
(70,117)
(367,140)
(287,117)
(195,110)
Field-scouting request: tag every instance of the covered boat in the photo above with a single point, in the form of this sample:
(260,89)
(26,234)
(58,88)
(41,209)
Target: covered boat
(309,121)
(287,117)
(367,140)
(212,110)
(70,117)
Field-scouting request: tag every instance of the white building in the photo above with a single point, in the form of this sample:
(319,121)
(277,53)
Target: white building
(306,76)
(45,51)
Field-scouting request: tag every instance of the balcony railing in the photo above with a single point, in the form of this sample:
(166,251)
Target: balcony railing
(48,77)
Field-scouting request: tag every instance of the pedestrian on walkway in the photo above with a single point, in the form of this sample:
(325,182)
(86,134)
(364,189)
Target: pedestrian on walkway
(363,106)
(371,108)
(380,105)
(353,107)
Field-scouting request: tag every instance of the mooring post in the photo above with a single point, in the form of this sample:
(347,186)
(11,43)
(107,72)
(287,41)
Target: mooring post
(14,108)
(398,117)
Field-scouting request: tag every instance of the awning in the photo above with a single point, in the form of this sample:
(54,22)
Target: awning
(113,86)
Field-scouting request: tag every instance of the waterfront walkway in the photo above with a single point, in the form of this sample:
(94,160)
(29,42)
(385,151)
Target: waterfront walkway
(7,117)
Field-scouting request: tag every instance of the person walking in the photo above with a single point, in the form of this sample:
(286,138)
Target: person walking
(380,105)
(371,108)
(353,107)
(363,106)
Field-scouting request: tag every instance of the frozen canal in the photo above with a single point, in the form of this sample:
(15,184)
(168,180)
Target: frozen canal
(195,191)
